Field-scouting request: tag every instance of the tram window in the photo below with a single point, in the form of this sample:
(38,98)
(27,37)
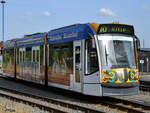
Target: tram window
(20,57)
(51,55)
(37,55)
(61,58)
(33,55)
(91,63)
(17,56)
(28,54)
(77,55)
(23,56)
(41,55)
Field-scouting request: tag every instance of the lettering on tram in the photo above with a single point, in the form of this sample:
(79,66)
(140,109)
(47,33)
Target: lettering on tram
(115,28)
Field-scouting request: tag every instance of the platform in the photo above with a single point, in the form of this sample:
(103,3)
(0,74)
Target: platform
(145,77)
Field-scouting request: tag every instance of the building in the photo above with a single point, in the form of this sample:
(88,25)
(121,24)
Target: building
(144,60)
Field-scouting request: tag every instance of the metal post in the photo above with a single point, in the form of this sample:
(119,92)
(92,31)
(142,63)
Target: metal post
(3,2)
(143,43)
(147,64)
(15,59)
(142,67)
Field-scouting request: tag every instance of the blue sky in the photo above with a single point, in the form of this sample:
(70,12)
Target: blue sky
(31,16)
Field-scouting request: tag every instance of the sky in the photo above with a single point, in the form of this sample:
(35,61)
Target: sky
(32,16)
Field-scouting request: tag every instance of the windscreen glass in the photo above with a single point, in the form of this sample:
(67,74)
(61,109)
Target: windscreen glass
(116,51)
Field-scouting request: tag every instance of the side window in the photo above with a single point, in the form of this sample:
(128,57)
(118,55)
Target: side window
(33,55)
(17,55)
(20,57)
(28,54)
(42,55)
(91,63)
(61,58)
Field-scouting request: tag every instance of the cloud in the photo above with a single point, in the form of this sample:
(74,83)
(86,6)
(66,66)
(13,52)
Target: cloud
(46,13)
(106,12)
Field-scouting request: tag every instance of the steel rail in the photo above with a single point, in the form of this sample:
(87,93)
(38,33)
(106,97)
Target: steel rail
(145,86)
(41,106)
(126,105)
(122,107)
(121,104)
(52,101)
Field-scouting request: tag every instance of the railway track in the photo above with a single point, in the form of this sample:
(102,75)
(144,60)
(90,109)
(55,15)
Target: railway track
(145,87)
(64,107)
(110,104)
(127,106)
(44,103)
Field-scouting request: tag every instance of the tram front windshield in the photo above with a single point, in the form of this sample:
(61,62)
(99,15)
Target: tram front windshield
(117,51)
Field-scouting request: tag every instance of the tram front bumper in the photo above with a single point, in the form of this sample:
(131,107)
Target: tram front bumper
(118,91)
(122,85)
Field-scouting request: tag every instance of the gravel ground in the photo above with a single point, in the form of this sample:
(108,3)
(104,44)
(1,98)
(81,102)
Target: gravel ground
(37,101)
(60,97)
(8,106)
(32,90)
(145,99)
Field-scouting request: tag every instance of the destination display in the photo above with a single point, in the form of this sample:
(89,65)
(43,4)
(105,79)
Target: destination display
(115,28)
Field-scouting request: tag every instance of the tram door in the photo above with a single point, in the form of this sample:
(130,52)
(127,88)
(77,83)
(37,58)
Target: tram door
(77,66)
(21,61)
(36,63)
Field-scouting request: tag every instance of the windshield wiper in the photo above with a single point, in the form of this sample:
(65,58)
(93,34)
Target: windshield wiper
(106,55)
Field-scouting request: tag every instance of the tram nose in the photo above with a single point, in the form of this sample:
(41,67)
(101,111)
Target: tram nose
(123,75)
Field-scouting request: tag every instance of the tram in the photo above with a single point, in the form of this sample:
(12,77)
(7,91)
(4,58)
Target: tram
(92,59)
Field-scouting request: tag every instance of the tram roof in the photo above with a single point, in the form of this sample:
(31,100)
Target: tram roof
(60,35)
(64,34)
(27,40)
(31,40)
(80,31)
(70,33)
